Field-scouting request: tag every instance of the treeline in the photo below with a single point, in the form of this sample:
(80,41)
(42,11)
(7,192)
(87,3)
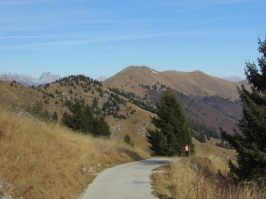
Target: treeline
(200,130)
(135,99)
(156,86)
(127,95)
(111,106)
(76,79)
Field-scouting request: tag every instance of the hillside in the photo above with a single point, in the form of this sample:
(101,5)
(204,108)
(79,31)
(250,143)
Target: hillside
(38,152)
(206,99)
(58,97)
(209,102)
(194,83)
(46,160)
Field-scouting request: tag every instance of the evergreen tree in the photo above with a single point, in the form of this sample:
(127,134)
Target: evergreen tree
(250,144)
(172,131)
(82,120)
(100,127)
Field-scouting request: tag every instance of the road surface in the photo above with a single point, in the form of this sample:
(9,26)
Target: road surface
(126,181)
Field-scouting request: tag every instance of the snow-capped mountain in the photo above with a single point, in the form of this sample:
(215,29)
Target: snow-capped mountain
(233,78)
(102,78)
(27,80)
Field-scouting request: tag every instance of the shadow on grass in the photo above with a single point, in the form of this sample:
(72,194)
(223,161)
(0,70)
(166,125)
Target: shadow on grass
(134,155)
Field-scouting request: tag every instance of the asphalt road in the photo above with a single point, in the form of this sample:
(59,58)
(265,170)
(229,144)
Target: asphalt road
(126,181)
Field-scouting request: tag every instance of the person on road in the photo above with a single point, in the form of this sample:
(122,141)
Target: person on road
(187,150)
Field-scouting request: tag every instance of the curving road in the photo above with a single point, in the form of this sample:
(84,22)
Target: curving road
(126,181)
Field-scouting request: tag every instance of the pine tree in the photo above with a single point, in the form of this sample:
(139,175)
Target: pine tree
(100,127)
(172,131)
(82,120)
(250,144)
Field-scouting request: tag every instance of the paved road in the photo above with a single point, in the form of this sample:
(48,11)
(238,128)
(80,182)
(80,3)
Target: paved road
(126,181)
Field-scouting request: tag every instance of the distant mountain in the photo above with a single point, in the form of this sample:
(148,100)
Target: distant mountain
(205,99)
(102,78)
(27,80)
(209,102)
(233,78)
(194,83)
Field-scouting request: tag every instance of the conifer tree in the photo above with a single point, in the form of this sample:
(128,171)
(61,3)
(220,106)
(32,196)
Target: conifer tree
(100,127)
(172,131)
(250,144)
(82,120)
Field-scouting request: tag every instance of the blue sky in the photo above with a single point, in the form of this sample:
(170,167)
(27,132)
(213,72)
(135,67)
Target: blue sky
(102,37)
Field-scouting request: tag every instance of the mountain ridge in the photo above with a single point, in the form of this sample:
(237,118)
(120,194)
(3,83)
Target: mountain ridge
(205,98)
(28,80)
(196,82)
(48,77)
(234,78)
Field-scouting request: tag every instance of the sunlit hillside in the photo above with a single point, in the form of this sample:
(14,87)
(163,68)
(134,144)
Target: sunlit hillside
(194,83)
(38,153)
(46,160)
(58,96)
(205,99)
(128,117)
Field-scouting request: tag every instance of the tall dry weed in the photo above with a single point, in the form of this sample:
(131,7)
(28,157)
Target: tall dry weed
(46,160)
(184,180)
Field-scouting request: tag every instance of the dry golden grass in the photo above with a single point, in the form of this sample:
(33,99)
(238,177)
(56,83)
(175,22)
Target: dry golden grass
(135,125)
(182,180)
(218,156)
(41,160)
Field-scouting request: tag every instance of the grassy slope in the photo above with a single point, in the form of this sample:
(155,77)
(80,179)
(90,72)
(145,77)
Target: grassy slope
(36,156)
(40,160)
(181,180)
(135,125)
(194,86)
(21,96)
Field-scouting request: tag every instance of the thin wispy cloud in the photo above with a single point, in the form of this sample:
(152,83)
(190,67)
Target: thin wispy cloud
(200,4)
(83,28)
(68,40)
(51,1)
(16,2)
(232,1)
